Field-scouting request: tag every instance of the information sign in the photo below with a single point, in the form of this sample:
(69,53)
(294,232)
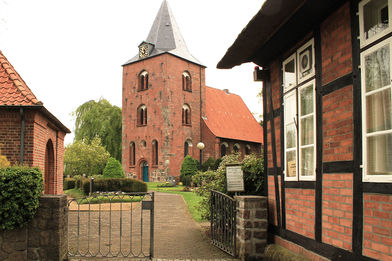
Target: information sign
(235,178)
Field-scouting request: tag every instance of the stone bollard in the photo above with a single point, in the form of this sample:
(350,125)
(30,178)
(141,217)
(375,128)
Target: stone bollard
(252,224)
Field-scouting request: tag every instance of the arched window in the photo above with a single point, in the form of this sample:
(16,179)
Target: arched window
(155,152)
(132,151)
(143,81)
(186,81)
(186,115)
(247,150)
(142,115)
(236,148)
(223,149)
(187,145)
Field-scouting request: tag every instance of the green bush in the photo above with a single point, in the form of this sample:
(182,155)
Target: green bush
(113,169)
(114,184)
(69,183)
(209,164)
(20,189)
(188,169)
(252,167)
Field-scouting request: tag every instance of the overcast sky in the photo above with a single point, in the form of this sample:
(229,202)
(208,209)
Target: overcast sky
(71,51)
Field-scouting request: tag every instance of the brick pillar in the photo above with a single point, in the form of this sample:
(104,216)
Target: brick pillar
(48,231)
(252,226)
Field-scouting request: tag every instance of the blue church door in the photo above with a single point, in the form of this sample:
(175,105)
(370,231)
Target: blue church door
(145,172)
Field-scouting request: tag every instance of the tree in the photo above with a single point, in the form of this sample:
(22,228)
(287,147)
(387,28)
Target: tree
(188,169)
(82,158)
(113,169)
(100,119)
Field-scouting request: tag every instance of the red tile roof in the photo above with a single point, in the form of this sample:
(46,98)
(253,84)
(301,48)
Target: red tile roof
(13,90)
(227,116)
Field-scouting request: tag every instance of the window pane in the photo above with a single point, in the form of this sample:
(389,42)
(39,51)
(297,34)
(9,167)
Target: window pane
(291,137)
(290,109)
(379,155)
(379,111)
(291,165)
(307,131)
(375,17)
(307,161)
(290,79)
(306,96)
(377,72)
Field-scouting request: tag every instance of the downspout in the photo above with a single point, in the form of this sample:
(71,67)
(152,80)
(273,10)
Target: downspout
(22,134)
(201,117)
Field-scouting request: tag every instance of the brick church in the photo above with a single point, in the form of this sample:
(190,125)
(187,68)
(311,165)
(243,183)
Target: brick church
(168,110)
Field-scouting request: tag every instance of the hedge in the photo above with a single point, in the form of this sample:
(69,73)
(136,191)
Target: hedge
(114,184)
(69,183)
(20,189)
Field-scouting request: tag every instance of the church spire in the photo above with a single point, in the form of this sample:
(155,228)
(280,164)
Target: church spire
(165,37)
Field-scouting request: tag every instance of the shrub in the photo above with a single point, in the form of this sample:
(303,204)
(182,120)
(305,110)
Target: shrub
(253,175)
(188,169)
(4,161)
(113,169)
(209,164)
(114,184)
(20,189)
(212,180)
(69,183)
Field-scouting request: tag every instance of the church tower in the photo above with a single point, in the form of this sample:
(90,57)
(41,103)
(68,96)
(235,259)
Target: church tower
(162,103)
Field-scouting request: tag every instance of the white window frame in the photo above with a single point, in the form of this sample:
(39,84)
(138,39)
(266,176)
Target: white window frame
(365,177)
(313,177)
(288,60)
(295,178)
(363,40)
(295,91)
(301,79)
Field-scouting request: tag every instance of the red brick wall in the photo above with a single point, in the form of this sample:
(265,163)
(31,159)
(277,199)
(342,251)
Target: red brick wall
(43,132)
(10,130)
(300,211)
(377,226)
(338,138)
(338,125)
(164,100)
(37,134)
(336,45)
(337,209)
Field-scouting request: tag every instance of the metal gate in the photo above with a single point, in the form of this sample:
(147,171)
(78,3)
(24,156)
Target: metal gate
(223,222)
(111,225)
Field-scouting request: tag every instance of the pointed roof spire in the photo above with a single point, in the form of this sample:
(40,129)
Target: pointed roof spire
(165,37)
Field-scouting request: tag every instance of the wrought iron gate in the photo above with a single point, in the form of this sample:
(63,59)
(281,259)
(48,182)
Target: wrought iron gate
(223,222)
(111,225)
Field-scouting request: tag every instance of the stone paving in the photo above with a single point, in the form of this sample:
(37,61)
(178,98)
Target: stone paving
(177,236)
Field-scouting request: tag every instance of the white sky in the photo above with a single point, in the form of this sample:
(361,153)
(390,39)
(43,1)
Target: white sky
(71,51)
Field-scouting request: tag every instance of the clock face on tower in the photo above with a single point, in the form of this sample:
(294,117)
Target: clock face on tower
(143,51)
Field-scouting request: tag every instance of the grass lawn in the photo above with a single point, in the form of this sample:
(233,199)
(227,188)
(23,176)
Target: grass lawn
(191,198)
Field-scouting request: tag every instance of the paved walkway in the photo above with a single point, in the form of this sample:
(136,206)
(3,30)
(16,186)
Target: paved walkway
(177,235)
